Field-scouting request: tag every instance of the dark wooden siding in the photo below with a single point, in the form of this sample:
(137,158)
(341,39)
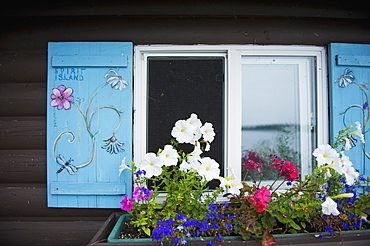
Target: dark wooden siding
(25,31)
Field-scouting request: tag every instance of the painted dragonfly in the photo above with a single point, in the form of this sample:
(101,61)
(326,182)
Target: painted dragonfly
(66,165)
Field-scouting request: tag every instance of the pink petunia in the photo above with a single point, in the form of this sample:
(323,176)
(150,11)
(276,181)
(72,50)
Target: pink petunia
(62,97)
(126,203)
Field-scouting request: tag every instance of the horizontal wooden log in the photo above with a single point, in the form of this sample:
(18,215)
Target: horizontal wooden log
(23,99)
(321,9)
(23,133)
(23,166)
(30,200)
(48,232)
(23,66)
(176,30)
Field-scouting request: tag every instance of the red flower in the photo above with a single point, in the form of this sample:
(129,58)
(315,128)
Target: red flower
(260,199)
(252,165)
(286,169)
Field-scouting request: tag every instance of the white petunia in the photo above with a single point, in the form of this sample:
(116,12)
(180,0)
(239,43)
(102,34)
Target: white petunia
(329,207)
(358,132)
(232,183)
(185,166)
(325,154)
(193,161)
(209,169)
(123,166)
(193,120)
(347,145)
(183,132)
(197,151)
(327,173)
(234,187)
(152,165)
(337,165)
(169,156)
(208,132)
(349,171)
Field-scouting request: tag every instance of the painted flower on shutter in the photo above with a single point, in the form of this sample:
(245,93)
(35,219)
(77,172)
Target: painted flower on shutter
(345,79)
(112,145)
(115,80)
(62,97)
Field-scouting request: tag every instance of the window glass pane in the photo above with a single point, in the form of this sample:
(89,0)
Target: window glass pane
(276,112)
(179,86)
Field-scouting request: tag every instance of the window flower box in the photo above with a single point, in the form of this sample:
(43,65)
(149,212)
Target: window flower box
(192,214)
(108,235)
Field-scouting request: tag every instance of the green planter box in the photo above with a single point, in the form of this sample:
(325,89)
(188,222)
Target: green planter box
(108,236)
(114,235)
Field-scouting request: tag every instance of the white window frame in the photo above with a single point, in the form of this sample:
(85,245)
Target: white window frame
(233,87)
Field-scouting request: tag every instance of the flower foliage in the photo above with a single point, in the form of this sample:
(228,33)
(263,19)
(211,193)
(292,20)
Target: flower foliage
(189,208)
(331,187)
(325,201)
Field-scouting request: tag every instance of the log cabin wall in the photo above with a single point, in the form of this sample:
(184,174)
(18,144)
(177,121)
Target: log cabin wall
(26,29)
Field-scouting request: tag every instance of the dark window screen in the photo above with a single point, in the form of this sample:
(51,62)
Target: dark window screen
(179,86)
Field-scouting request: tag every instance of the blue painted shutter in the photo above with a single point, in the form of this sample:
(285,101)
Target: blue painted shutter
(349,76)
(89,123)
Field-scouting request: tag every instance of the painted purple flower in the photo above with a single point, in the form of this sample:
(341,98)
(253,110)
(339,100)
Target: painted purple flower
(346,79)
(62,97)
(365,105)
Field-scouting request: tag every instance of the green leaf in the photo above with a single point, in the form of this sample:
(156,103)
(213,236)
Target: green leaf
(294,225)
(303,225)
(146,230)
(292,231)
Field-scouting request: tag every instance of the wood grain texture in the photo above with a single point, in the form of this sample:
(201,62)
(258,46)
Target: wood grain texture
(23,99)
(23,132)
(23,166)
(51,233)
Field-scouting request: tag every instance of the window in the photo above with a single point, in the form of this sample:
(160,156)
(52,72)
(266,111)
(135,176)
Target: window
(278,111)
(226,75)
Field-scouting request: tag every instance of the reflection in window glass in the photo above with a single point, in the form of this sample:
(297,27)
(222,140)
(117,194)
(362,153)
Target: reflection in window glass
(277,113)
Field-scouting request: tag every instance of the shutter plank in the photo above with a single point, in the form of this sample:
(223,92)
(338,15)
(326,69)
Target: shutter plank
(89,61)
(64,188)
(353,60)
